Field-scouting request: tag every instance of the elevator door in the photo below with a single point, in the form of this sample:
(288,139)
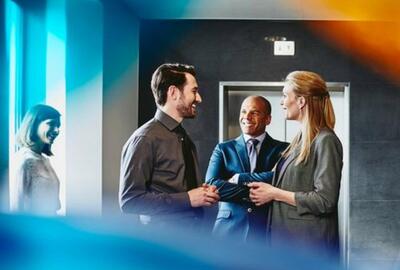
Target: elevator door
(279,128)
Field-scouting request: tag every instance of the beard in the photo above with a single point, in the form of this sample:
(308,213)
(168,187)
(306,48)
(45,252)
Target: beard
(186,111)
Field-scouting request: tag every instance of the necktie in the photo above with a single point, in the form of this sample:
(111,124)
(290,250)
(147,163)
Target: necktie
(253,154)
(190,174)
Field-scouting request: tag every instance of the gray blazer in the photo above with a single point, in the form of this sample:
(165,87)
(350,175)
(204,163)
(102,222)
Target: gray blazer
(314,221)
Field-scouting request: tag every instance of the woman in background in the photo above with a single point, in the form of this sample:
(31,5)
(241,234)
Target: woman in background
(35,187)
(305,188)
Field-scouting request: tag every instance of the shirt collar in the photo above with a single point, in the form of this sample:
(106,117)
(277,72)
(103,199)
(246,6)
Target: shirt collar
(166,120)
(260,138)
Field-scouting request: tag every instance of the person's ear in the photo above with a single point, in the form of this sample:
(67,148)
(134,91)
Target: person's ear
(173,92)
(268,120)
(301,102)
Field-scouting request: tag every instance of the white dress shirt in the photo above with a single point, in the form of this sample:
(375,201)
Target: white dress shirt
(260,139)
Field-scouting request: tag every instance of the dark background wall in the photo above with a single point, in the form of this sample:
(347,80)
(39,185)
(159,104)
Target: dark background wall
(224,50)
(228,51)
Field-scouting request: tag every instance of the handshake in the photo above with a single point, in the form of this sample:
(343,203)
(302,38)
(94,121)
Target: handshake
(207,195)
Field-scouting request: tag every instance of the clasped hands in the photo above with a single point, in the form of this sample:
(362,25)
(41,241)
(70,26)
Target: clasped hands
(261,193)
(206,195)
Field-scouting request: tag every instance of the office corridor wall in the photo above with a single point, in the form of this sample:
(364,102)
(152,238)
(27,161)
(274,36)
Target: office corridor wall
(228,50)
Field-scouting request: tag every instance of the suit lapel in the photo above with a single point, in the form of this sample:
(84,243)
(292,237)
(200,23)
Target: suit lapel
(264,152)
(241,150)
(278,179)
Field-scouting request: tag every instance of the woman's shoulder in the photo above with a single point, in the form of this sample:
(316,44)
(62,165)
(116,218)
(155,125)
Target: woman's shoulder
(26,158)
(327,136)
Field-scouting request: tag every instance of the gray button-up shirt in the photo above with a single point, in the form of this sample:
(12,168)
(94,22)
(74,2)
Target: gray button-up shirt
(153,168)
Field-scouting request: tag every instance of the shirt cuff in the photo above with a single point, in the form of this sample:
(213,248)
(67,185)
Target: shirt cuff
(234,179)
(180,201)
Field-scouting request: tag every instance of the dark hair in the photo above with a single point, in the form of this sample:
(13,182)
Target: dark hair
(165,76)
(27,134)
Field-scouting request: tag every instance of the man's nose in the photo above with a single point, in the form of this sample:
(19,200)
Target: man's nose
(198,98)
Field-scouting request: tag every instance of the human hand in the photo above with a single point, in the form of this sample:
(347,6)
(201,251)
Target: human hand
(208,187)
(261,193)
(206,195)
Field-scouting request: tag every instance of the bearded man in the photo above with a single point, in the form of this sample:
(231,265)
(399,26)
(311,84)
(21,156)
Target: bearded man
(159,177)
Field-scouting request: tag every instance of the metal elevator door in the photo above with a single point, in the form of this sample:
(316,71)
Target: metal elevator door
(279,128)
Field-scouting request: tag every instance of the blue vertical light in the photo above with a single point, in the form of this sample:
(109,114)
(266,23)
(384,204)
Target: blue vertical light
(14,59)
(14,56)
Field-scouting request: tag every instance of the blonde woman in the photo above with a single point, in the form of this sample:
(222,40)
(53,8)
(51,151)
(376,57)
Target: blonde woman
(305,188)
(35,187)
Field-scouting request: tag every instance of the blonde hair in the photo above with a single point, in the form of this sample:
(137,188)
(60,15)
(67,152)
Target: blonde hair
(318,113)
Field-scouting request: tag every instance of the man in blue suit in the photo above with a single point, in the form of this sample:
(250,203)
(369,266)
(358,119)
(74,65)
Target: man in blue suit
(234,163)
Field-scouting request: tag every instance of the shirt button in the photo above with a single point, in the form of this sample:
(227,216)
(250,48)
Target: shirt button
(249,210)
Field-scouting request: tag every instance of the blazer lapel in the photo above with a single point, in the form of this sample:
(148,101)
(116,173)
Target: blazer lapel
(278,178)
(241,150)
(264,152)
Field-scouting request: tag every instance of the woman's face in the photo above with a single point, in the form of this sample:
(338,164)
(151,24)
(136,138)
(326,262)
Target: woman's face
(48,130)
(290,103)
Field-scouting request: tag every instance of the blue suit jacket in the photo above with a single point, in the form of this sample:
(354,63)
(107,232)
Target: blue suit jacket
(237,216)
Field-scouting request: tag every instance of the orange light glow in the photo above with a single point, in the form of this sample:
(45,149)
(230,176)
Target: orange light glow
(370,31)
